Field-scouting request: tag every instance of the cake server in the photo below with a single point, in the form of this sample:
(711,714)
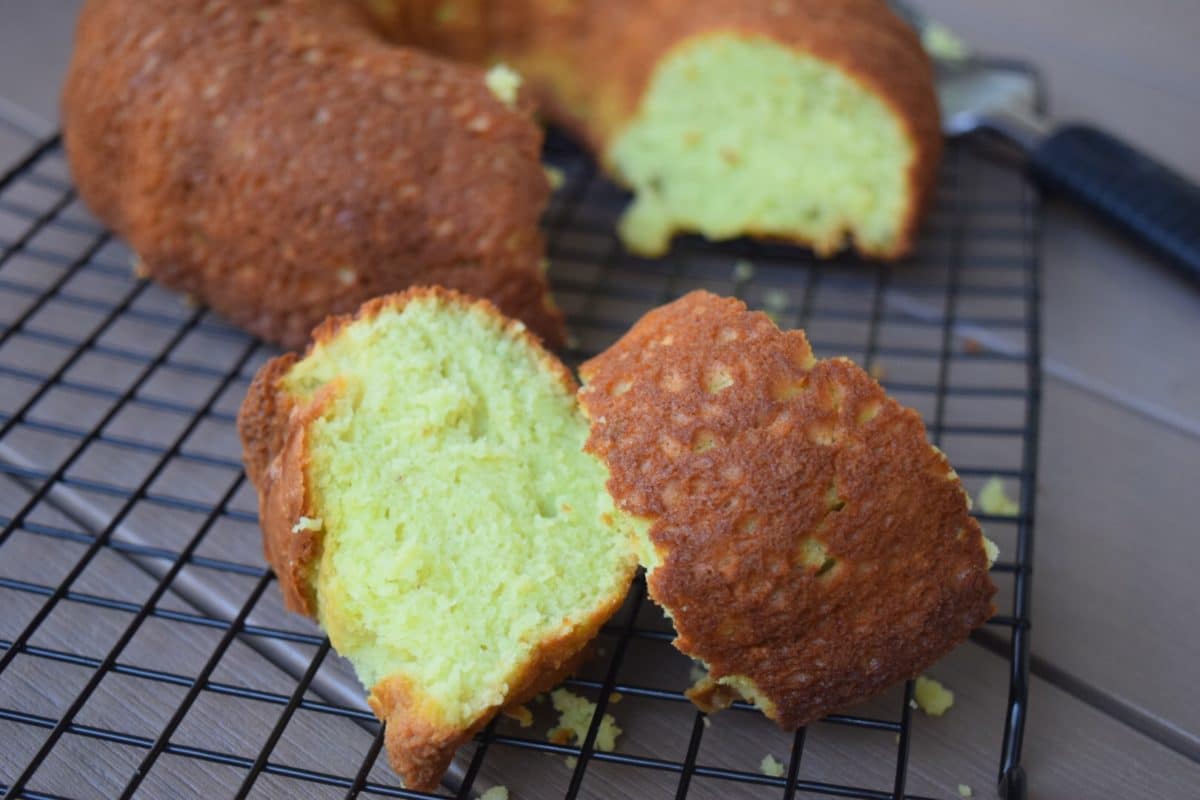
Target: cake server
(1113,179)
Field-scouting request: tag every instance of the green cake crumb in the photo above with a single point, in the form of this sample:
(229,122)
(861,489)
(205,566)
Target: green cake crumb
(771,766)
(575,716)
(932,698)
(554,176)
(994,500)
(503,82)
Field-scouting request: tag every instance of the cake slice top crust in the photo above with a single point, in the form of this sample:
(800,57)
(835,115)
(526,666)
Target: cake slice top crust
(809,543)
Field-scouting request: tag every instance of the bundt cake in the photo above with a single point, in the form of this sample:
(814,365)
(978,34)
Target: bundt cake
(284,159)
(430,491)
(424,493)
(809,544)
(280,161)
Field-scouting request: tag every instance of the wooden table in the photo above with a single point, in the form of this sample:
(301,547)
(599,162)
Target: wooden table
(1115,707)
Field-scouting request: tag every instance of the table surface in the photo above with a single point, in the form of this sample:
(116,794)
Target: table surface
(1115,707)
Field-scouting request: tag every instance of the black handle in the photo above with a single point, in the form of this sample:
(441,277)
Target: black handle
(1138,194)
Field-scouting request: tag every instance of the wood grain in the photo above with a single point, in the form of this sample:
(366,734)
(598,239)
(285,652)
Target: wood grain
(1114,598)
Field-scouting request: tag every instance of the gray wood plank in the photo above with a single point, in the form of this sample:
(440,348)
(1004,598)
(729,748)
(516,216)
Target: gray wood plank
(1116,320)
(1116,546)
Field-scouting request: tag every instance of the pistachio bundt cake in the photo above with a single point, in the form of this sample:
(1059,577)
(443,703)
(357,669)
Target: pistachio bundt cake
(284,159)
(809,544)
(424,493)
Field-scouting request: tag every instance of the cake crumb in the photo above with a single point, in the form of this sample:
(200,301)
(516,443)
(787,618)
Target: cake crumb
(615,698)
(307,524)
(932,698)
(964,790)
(878,371)
(575,717)
(775,302)
(994,500)
(941,43)
(771,766)
(522,715)
(707,720)
(554,176)
(743,271)
(971,345)
(504,82)
(697,673)
(572,761)
(495,793)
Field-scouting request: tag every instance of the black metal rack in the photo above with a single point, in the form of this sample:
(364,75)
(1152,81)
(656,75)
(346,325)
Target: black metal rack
(116,443)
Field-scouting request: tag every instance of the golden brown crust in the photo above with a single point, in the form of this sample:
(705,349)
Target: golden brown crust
(811,539)
(282,162)
(273,427)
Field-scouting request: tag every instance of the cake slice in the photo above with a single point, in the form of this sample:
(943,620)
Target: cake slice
(810,545)
(424,494)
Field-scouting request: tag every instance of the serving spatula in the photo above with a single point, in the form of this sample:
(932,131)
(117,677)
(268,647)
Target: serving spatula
(1115,180)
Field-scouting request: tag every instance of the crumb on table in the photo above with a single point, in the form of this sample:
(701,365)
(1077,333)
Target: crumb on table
(771,766)
(495,793)
(931,697)
(964,790)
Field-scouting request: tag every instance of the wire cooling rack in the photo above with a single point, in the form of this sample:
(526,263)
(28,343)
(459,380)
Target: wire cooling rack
(143,650)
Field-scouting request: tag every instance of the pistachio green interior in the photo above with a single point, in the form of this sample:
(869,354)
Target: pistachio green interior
(463,524)
(740,134)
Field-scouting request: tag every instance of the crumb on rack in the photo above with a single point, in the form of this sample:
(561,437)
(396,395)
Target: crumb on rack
(572,761)
(743,271)
(615,698)
(697,673)
(971,345)
(504,82)
(994,500)
(878,371)
(575,717)
(522,715)
(964,790)
(495,793)
(707,721)
(554,176)
(932,698)
(771,766)
(775,302)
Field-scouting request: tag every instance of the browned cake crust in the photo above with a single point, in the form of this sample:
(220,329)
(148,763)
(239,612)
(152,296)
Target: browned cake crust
(283,160)
(273,428)
(280,161)
(810,538)
(591,60)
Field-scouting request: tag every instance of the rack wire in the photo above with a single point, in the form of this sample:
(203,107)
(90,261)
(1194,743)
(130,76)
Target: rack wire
(143,651)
